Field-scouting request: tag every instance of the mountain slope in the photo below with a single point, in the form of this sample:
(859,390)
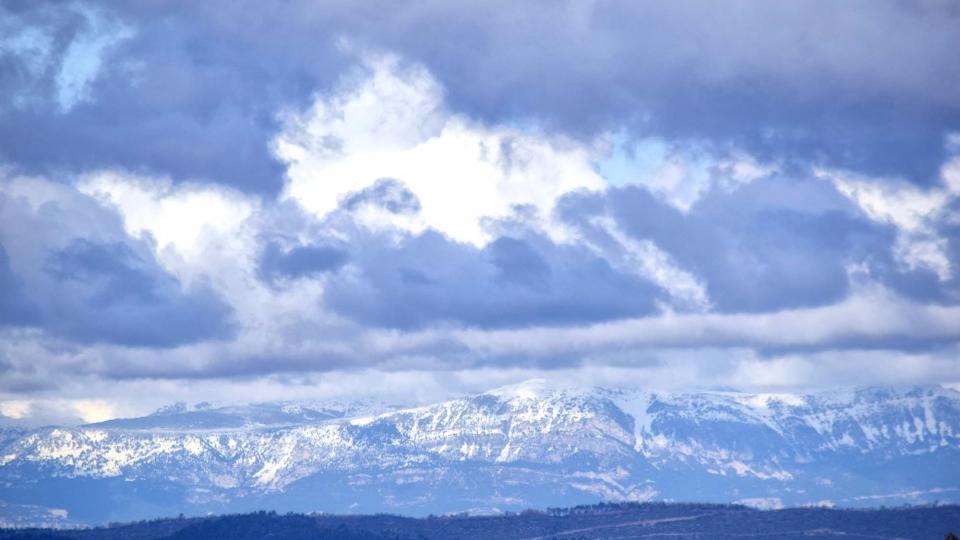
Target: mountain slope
(532,444)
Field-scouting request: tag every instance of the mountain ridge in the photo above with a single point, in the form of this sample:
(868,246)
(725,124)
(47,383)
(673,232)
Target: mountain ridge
(533,444)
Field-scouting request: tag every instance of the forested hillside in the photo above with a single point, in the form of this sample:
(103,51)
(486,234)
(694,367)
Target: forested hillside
(607,521)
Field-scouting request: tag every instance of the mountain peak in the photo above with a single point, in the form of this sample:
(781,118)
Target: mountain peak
(537,388)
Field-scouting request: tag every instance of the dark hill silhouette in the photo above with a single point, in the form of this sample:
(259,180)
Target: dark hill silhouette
(627,520)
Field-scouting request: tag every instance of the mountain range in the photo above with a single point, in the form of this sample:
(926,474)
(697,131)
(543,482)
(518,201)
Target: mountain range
(532,445)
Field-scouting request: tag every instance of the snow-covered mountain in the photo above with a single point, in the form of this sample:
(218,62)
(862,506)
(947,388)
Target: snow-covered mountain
(534,444)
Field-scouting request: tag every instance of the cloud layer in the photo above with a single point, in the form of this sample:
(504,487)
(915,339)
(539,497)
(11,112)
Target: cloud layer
(237,197)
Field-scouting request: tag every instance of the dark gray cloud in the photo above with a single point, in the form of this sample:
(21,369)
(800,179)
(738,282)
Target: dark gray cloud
(182,94)
(387,193)
(15,308)
(779,242)
(428,279)
(923,284)
(68,267)
(784,241)
(299,261)
(193,91)
(517,262)
(869,85)
(866,85)
(111,293)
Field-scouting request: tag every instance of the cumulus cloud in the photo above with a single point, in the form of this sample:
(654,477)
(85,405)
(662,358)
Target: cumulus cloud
(254,201)
(917,214)
(756,248)
(644,258)
(867,88)
(363,240)
(390,121)
(71,269)
(186,222)
(427,279)
(109,292)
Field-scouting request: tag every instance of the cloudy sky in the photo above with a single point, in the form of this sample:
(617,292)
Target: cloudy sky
(233,201)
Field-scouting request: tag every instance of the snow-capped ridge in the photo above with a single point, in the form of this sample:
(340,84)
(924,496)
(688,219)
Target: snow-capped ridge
(537,388)
(598,443)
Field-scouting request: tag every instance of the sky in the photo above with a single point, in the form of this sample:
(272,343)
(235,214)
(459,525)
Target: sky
(230,201)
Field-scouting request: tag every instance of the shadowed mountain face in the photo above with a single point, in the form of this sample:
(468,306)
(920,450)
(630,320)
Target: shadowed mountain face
(529,445)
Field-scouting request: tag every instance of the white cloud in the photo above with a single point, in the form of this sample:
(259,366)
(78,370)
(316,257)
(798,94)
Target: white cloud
(291,328)
(658,369)
(646,259)
(60,410)
(950,173)
(741,168)
(188,222)
(54,214)
(915,212)
(211,233)
(896,202)
(93,410)
(391,122)
(869,315)
(15,409)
